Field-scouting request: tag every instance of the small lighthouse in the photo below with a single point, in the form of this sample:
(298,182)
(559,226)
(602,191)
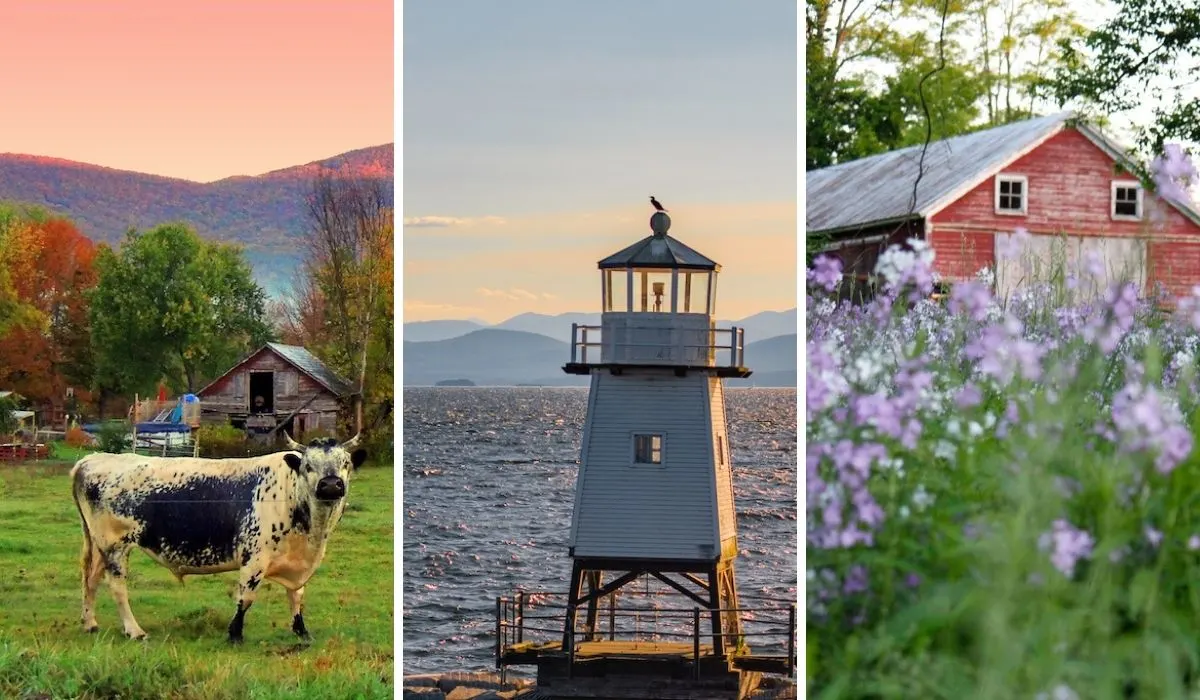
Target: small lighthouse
(654,493)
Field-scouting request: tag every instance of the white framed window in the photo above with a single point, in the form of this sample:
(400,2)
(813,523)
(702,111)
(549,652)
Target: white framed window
(648,448)
(1012,195)
(720,450)
(1126,201)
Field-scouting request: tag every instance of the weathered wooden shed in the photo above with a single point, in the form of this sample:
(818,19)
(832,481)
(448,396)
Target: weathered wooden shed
(278,387)
(1059,178)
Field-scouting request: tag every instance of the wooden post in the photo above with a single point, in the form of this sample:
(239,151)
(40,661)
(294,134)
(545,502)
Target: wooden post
(574,344)
(791,638)
(696,642)
(521,616)
(499,616)
(612,616)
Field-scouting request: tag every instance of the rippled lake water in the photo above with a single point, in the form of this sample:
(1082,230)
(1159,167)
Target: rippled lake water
(489,479)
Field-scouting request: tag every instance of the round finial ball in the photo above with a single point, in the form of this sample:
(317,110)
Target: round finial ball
(660,223)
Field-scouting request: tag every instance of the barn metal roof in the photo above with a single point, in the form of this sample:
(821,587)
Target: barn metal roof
(308,363)
(659,250)
(302,360)
(879,188)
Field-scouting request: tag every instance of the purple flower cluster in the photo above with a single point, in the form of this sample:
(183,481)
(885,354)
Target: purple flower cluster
(910,268)
(1144,421)
(1002,352)
(826,272)
(971,298)
(1067,545)
(1172,172)
(852,465)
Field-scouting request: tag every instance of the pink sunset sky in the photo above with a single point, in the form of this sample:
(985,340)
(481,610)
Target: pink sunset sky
(196,89)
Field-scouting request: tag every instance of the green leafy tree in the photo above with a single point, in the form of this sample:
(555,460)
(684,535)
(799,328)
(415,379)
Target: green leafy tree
(171,305)
(885,74)
(8,422)
(1147,54)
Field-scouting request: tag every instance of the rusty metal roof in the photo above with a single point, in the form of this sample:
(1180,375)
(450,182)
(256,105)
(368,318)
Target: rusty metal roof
(659,251)
(879,189)
(302,360)
(308,363)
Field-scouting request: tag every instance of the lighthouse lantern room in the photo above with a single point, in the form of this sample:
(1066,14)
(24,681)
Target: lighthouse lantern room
(654,493)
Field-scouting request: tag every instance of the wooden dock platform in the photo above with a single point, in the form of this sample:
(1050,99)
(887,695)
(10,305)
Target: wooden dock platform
(632,670)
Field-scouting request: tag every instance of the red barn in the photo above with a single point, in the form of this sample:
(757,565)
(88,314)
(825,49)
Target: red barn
(1057,177)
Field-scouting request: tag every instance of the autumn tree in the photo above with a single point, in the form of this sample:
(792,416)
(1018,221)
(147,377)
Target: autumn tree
(19,249)
(42,359)
(342,303)
(171,305)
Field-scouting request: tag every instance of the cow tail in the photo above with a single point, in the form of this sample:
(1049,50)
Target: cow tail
(88,550)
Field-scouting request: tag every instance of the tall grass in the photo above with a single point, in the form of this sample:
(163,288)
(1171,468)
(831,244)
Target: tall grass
(1002,494)
(44,652)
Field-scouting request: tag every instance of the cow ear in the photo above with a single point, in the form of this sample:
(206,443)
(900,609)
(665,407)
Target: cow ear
(358,457)
(292,461)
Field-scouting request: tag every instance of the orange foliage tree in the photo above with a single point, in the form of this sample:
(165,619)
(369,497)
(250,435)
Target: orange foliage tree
(49,269)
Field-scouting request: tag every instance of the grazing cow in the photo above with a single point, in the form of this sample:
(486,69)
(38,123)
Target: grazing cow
(265,517)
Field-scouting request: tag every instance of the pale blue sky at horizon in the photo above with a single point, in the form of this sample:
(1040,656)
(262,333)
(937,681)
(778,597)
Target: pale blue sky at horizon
(535,131)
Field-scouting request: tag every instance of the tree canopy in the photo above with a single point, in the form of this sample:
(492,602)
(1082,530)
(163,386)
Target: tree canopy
(49,272)
(171,305)
(1147,54)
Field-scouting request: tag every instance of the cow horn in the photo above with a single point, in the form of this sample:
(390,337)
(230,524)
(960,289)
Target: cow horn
(292,444)
(352,442)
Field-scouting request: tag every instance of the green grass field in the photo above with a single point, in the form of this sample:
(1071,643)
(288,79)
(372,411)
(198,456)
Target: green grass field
(45,654)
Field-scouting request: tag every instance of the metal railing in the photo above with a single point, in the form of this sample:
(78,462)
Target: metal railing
(512,614)
(735,347)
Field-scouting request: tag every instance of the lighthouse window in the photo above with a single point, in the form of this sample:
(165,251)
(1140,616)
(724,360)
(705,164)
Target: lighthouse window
(647,449)
(721,450)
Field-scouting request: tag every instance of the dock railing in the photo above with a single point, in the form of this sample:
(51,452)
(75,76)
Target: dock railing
(587,345)
(773,628)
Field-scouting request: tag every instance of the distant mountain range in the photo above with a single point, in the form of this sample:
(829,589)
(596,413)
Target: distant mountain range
(760,326)
(503,356)
(264,213)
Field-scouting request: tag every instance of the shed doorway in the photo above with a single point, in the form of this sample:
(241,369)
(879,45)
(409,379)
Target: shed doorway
(262,392)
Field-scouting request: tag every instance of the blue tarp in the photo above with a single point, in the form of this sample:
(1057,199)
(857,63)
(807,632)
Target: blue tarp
(164,427)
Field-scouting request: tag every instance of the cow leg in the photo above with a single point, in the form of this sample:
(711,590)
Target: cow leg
(116,562)
(248,580)
(93,571)
(296,599)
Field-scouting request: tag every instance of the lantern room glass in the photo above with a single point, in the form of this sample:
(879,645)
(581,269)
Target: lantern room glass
(658,290)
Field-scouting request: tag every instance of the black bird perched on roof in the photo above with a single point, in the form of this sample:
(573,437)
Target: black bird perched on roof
(656,203)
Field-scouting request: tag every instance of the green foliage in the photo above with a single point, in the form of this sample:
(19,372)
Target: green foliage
(223,440)
(44,652)
(8,422)
(1147,54)
(170,304)
(114,437)
(985,65)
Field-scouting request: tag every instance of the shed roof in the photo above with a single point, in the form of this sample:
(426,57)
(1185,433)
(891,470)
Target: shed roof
(301,359)
(659,250)
(879,189)
(308,363)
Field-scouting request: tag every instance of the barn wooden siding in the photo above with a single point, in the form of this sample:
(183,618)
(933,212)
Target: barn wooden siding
(229,396)
(628,510)
(1069,192)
